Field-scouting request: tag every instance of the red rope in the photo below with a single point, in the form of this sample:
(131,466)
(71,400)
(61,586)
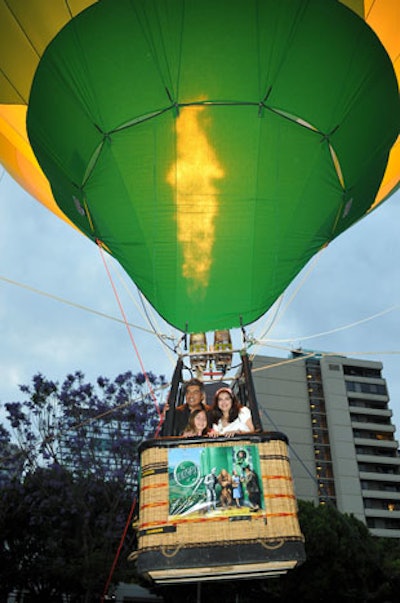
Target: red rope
(100,246)
(118,552)
(161,418)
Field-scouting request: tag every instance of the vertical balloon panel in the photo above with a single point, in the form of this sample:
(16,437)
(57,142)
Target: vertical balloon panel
(206,141)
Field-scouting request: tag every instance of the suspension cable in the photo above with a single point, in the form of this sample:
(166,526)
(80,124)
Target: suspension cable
(154,398)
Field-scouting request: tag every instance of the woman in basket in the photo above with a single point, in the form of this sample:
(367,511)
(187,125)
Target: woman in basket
(229,417)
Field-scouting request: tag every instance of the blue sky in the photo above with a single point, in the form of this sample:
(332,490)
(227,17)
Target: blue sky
(357,277)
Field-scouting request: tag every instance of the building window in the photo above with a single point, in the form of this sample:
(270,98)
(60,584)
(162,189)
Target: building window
(379,486)
(383,524)
(381,505)
(319,425)
(373,468)
(376,451)
(370,418)
(362,371)
(366,388)
(372,435)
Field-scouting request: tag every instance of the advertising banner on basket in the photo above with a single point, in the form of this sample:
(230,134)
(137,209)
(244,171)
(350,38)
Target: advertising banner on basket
(215,480)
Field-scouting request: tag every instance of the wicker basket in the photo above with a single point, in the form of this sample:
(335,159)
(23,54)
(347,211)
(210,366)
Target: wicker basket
(187,534)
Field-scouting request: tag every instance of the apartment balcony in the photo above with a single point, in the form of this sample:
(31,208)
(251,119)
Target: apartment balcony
(378,412)
(372,443)
(381,494)
(367,396)
(373,427)
(378,476)
(382,533)
(383,514)
(378,459)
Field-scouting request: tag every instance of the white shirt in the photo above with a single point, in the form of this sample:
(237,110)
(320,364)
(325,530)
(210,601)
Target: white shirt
(239,424)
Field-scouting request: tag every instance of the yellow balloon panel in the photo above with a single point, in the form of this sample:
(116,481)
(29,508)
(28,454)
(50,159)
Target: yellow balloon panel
(383,16)
(26,28)
(18,158)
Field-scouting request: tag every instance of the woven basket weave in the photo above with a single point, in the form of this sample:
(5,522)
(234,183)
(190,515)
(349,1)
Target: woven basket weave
(275,523)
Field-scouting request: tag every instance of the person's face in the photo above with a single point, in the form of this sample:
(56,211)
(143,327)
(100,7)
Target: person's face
(224,401)
(193,397)
(200,422)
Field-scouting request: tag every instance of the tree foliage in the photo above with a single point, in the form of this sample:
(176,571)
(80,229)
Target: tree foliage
(68,484)
(85,428)
(343,560)
(61,534)
(344,563)
(63,512)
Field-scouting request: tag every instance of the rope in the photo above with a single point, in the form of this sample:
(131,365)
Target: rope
(133,556)
(121,542)
(272,547)
(145,314)
(150,320)
(285,361)
(278,315)
(276,308)
(154,331)
(343,328)
(302,463)
(73,304)
(99,244)
(173,553)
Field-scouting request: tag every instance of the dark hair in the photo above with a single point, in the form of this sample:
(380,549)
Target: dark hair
(191,424)
(234,410)
(196,382)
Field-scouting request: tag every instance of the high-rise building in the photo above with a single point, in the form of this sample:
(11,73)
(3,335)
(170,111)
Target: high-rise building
(335,412)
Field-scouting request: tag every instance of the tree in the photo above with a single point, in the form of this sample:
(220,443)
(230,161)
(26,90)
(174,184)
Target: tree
(11,461)
(389,549)
(62,517)
(61,521)
(344,563)
(62,533)
(88,429)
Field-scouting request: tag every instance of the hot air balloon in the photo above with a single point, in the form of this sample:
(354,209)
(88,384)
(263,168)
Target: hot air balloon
(212,148)
(292,130)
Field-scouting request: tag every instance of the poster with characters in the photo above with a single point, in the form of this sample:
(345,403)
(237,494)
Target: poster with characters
(214,480)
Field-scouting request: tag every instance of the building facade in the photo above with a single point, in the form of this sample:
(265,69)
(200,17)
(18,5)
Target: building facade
(335,412)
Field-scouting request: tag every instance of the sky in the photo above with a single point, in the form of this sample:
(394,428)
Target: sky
(59,312)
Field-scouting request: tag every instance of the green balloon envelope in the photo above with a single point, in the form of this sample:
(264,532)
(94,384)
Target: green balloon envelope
(213,147)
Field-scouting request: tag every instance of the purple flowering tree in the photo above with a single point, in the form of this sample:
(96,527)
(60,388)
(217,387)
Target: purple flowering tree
(64,509)
(86,428)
